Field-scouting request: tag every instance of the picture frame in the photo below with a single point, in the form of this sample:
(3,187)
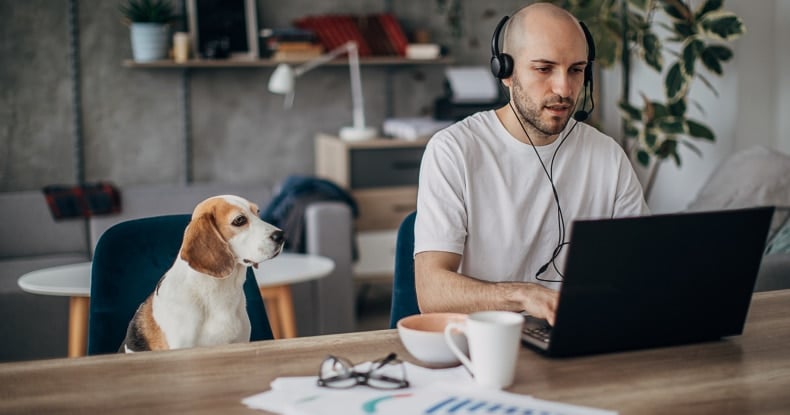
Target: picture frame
(223,29)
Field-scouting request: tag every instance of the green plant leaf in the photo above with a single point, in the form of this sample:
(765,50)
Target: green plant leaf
(630,111)
(711,61)
(677,108)
(691,52)
(651,47)
(708,6)
(723,53)
(684,29)
(650,139)
(643,158)
(677,9)
(698,130)
(659,110)
(675,83)
(672,125)
(722,25)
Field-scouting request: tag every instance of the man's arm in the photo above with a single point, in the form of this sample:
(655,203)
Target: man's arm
(440,288)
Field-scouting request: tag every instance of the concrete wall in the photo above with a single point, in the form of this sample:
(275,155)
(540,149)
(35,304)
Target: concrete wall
(133,118)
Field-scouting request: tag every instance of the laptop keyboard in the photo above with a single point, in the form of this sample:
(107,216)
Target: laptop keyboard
(537,329)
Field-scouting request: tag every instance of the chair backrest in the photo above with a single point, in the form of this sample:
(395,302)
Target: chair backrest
(129,260)
(404,295)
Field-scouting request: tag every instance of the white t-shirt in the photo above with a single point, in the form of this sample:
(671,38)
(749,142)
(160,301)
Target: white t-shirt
(484,195)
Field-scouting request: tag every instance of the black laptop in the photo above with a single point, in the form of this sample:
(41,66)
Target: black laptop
(654,281)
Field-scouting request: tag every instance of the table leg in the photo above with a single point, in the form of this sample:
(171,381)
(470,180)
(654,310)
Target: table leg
(78,325)
(280,309)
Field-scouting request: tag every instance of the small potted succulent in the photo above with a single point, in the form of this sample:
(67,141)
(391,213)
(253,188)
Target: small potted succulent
(149,21)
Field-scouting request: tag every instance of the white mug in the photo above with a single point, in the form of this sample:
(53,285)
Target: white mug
(494,338)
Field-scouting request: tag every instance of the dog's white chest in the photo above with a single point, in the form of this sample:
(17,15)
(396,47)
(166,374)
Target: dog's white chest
(197,310)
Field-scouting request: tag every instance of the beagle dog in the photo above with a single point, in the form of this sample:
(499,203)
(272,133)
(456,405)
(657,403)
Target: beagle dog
(200,300)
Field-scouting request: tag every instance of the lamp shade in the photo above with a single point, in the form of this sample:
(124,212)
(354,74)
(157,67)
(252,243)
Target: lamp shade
(282,80)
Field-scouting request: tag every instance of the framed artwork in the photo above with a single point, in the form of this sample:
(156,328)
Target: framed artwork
(223,29)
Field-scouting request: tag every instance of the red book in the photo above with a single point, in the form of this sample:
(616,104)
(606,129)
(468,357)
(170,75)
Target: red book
(394,33)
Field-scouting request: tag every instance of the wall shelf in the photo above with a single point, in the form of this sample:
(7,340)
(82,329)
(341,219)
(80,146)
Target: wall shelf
(262,63)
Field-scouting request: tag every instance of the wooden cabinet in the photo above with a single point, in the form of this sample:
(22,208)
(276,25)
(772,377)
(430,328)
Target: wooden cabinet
(381,174)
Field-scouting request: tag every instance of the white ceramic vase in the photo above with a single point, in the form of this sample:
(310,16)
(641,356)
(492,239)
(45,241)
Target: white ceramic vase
(149,41)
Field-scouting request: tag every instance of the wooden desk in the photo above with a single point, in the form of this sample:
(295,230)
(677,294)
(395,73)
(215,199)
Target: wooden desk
(274,278)
(748,374)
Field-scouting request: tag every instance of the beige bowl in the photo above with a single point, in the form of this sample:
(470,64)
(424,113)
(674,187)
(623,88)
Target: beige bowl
(423,336)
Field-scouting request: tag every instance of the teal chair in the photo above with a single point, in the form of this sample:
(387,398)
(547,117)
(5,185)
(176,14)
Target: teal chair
(404,295)
(128,262)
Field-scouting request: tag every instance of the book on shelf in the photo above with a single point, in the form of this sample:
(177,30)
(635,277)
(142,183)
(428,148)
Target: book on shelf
(375,34)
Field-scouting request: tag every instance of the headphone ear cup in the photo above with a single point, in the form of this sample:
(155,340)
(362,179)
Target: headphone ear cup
(502,65)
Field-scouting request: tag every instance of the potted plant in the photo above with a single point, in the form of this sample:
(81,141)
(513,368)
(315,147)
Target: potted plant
(695,41)
(149,22)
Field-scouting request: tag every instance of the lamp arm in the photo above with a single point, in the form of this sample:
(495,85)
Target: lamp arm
(357,99)
(334,53)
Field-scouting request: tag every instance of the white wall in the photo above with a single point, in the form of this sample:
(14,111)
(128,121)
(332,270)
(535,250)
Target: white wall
(753,105)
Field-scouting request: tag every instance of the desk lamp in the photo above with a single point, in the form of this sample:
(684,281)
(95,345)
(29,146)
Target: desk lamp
(283,77)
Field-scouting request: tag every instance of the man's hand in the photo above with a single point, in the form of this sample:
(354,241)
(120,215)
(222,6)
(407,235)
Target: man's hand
(540,302)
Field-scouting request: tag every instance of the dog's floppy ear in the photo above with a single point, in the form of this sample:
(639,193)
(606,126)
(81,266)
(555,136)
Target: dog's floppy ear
(204,248)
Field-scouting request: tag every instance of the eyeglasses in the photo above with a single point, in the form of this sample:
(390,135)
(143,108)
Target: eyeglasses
(339,373)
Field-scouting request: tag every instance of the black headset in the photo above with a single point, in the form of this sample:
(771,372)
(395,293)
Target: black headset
(502,67)
(502,63)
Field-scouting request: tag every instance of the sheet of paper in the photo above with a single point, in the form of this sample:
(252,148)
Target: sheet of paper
(431,392)
(472,84)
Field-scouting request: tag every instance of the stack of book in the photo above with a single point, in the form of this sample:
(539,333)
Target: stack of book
(376,35)
(289,44)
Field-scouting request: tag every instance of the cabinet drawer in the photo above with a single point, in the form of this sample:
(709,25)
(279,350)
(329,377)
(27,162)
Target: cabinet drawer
(381,209)
(383,167)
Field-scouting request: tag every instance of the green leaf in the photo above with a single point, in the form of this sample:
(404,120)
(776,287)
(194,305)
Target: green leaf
(630,111)
(659,110)
(643,158)
(698,130)
(684,29)
(711,61)
(723,53)
(650,139)
(708,6)
(677,108)
(723,25)
(651,46)
(677,10)
(675,82)
(691,52)
(672,125)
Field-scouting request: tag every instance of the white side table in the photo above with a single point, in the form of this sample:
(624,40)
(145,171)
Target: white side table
(273,276)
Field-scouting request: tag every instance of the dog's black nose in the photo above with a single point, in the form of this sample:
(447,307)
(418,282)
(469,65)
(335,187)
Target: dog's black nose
(277,236)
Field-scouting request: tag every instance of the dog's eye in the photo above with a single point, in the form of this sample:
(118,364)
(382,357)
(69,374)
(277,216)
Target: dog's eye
(239,221)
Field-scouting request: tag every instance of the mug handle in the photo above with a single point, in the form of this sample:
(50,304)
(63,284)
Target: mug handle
(448,329)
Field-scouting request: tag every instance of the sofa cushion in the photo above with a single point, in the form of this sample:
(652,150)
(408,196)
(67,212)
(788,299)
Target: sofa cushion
(756,176)
(29,229)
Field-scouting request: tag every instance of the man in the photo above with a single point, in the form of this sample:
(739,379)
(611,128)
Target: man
(499,189)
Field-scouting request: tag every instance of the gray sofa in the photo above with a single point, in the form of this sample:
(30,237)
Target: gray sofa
(35,326)
(756,176)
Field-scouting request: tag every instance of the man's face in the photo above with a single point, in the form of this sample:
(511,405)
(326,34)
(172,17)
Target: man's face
(547,79)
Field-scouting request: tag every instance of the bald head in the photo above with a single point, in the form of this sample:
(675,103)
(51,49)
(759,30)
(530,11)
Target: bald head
(543,25)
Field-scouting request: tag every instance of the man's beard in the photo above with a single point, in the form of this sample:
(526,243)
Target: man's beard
(530,112)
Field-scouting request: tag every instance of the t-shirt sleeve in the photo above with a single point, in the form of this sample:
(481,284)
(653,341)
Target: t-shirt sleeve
(441,214)
(630,200)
